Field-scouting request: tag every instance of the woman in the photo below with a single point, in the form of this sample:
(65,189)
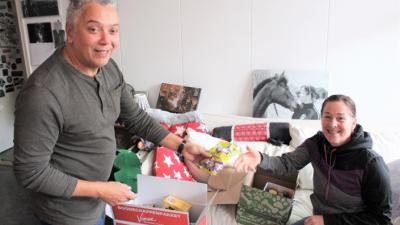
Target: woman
(351,181)
(306,110)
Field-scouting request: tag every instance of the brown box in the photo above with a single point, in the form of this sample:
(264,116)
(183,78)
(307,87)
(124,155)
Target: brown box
(224,188)
(261,177)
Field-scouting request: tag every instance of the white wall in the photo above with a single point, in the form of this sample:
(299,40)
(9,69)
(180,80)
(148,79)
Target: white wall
(215,44)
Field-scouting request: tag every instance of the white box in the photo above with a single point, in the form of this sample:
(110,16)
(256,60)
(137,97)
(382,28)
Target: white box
(151,191)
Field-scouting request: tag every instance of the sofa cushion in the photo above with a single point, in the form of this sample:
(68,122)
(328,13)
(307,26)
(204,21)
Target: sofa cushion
(300,133)
(203,139)
(265,147)
(162,116)
(394,168)
(277,131)
(385,143)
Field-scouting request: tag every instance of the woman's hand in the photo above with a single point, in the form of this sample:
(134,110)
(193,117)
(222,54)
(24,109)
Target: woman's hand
(248,161)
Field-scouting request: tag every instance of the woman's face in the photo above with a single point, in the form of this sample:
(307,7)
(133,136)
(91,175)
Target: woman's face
(303,96)
(337,123)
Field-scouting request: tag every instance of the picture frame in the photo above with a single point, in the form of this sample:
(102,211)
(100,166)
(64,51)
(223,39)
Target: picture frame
(289,94)
(178,98)
(37,8)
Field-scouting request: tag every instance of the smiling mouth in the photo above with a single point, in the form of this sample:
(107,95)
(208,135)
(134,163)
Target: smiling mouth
(332,132)
(102,53)
(100,50)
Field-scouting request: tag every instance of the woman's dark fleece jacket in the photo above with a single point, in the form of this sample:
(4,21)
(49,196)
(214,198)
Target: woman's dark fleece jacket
(351,182)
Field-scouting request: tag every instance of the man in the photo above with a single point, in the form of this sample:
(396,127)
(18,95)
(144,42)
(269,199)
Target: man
(64,134)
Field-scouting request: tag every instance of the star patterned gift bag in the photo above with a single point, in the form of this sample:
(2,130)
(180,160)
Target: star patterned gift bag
(167,164)
(180,129)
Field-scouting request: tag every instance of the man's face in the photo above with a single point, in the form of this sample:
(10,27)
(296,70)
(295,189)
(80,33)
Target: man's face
(93,37)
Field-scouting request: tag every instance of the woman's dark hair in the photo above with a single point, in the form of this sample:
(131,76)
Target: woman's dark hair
(343,98)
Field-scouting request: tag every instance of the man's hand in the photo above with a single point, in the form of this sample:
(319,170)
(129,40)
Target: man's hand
(114,193)
(191,151)
(194,152)
(110,192)
(248,161)
(314,220)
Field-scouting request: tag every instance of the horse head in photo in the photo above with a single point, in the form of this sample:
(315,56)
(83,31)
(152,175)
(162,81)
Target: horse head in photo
(272,90)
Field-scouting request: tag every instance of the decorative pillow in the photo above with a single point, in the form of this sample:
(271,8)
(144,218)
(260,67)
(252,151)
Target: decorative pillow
(167,164)
(305,177)
(279,131)
(224,132)
(276,131)
(300,133)
(250,132)
(385,143)
(147,160)
(203,139)
(265,147)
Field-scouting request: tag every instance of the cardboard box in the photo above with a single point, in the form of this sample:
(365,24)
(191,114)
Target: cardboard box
(261,177)
(257,206)
(151,191)
(224,188)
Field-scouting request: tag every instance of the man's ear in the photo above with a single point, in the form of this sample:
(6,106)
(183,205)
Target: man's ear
(70,33)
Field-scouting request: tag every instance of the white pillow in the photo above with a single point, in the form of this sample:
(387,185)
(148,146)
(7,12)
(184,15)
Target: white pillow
(264,147)
(386,144)
(300,133)
(205,140)
(305,177)
(162,116)
(147,159)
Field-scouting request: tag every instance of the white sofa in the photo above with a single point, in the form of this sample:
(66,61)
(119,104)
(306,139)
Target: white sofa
(386,140)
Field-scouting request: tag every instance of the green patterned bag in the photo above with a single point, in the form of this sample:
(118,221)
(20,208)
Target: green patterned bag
(262,208)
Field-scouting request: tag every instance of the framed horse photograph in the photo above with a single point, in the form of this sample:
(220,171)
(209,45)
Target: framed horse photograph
(289,94)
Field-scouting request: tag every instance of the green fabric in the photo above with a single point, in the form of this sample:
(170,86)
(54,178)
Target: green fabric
(262,208)
(129,167)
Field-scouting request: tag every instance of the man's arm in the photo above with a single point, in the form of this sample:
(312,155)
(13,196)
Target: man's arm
(38,123)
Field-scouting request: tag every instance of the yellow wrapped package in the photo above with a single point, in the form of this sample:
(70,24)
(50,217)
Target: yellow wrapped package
(172,202)
(224,154)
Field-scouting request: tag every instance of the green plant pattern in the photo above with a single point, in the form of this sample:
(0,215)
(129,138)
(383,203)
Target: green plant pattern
(262,208)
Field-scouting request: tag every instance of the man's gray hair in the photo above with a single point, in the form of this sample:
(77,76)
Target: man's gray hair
(75,8)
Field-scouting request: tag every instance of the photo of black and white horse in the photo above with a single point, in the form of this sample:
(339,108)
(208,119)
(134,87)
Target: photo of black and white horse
(288,94)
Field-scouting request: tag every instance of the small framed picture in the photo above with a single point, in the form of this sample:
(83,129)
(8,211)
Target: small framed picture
(40,32)
(33,8)
(177,98)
